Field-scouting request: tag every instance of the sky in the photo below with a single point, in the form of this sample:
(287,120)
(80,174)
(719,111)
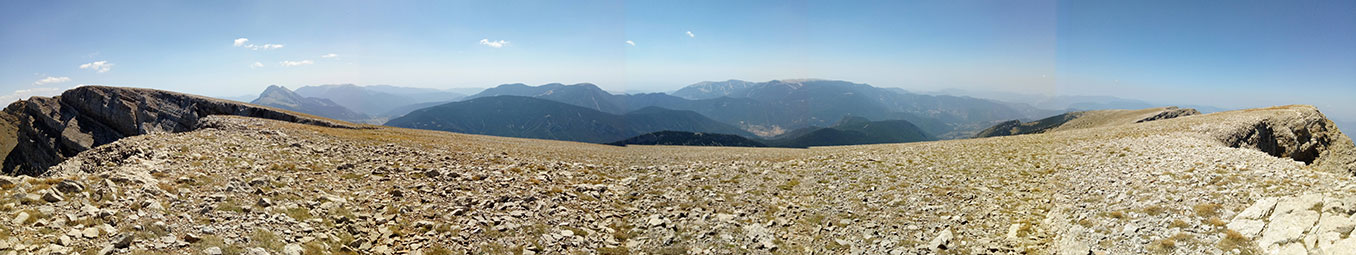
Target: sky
(1234,54)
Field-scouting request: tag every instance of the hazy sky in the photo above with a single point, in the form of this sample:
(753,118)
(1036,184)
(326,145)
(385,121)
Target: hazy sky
(1223,53)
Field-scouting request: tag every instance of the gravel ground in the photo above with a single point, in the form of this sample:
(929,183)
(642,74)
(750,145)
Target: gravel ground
(245,185)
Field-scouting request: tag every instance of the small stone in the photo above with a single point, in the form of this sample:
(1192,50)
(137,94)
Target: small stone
(423,224)
(292,249)
(191,238)
(264,202)
(90,232)
(212,251)
(123,241)
(1012,230)
(70,186)
(19,219)
(256,251)
(52,196)
(108,249)
(942,241)
(655,221)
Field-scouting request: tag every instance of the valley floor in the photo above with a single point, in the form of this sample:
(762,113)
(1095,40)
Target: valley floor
(249,184)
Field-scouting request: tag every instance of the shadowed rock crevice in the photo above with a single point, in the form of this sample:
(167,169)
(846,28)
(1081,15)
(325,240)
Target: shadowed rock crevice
(43,131)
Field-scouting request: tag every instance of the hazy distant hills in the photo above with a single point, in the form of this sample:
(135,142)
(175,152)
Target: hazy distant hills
(714,89)
(772,108)
(517,116)
(855,130)
(377,100)
(282,98)
(689,139)
(848,131)
(584,95)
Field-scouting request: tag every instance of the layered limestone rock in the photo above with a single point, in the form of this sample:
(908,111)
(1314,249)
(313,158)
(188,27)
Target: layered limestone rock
(1307,224)
(43,131)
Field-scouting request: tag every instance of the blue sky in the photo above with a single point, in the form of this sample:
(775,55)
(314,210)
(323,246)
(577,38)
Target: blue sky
(1223,53)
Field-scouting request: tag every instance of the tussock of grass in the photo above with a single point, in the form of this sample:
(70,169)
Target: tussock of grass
(1207,210)
(1234,240)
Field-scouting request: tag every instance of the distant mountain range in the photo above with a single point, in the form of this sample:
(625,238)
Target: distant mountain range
(689,139)
(280,97)
(787,113)
(377,100)
(527,117)
(853,130)
(848,131)
(772,108)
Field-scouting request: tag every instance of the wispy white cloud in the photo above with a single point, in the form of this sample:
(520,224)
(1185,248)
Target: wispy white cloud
(51,80)
(494,44)
(331,55)
(296,63)
(630,42)
(26,93)
(244,42)
(98,66)
(689,34)
(256,65)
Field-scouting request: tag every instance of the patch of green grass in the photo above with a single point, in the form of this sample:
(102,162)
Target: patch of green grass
(298,213)
(230,206)
(790,184)
(209,241)
(266,239)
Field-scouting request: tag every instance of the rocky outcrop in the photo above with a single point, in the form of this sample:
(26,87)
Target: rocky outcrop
(43,131)
(1016,127)
(1169,113)
(1307,224)
(1305,135)
(1086,119)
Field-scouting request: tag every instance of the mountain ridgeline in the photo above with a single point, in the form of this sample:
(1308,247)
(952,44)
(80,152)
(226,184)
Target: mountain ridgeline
(527,117)
(689,139)
(850,130)
(282,98)
(1085,119)
(381,101)
(769,109)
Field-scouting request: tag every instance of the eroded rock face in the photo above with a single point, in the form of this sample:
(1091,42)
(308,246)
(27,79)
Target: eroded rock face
(1307,224)
(1305,136)
(43,131)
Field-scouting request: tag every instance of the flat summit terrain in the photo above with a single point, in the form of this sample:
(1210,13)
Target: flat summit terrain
(1273,180)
